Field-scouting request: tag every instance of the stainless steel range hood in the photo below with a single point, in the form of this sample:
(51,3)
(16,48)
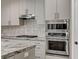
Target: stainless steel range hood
(26,17)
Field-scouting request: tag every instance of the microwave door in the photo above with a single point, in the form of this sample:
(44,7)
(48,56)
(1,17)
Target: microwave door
(53,26)
(61,26)
(48,26)
(64,26)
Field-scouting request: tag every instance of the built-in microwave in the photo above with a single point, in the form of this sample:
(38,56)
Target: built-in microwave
(57,34)
(57,24)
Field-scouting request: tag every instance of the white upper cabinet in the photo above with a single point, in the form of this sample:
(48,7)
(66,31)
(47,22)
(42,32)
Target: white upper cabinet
(43,10)
(14,12)
(4,12)
(64,9)
(9,13)
(50,9)
(40,11)
(13,9)
(59,9)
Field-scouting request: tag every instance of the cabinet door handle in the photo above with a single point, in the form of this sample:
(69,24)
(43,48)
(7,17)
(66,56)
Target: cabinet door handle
(76,42)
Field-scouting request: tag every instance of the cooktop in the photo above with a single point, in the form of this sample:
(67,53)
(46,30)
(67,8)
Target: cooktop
(27,36)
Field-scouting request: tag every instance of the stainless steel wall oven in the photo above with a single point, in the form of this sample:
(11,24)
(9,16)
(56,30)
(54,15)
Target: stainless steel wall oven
(57,36)
(58,46)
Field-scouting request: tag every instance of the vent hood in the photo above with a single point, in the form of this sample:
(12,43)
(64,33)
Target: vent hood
(26,17)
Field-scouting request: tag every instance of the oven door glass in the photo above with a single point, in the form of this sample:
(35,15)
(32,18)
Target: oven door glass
(57,45)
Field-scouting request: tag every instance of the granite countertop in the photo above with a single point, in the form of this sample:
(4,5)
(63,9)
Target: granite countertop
(10,47)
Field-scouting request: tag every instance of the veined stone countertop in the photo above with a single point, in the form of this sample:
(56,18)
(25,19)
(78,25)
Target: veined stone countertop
(11,47)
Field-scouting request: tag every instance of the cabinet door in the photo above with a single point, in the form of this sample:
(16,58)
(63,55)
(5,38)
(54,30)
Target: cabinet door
(13,57)
(19,55)
(29,54)
(39,49)
(4,12)
(39,11)
(10,12)
(14,12)
(63,9)
(50,9)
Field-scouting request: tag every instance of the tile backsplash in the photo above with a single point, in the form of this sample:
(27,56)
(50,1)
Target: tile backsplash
(30,28)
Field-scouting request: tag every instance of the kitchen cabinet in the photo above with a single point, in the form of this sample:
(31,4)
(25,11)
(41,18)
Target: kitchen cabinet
(42,9)
(64,9)
(29,54)
(50,9)
(13,9)
(14,12)
(19,55)
(5,12)
(40,49)
(12,57)
(39,11)
(10,13)
(57,8)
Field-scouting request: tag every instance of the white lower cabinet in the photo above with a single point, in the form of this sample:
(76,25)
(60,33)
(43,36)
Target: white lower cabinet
(30,54)
(13,57)
(37,53)
(40,49)
(19,55)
